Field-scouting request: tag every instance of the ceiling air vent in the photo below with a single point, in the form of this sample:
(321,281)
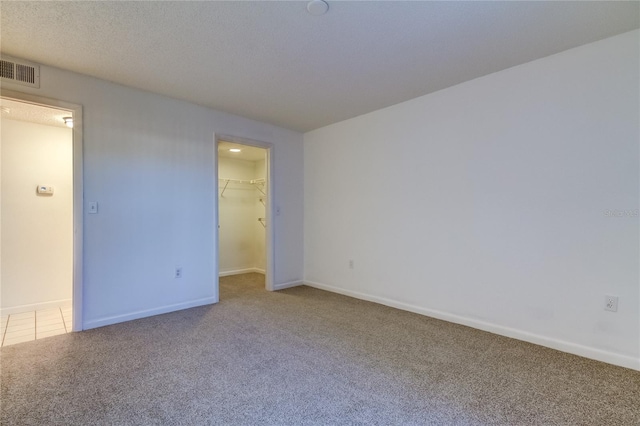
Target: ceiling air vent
(20,72)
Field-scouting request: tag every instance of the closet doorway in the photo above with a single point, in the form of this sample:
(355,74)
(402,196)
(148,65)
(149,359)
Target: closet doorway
(41,218)
(245,233)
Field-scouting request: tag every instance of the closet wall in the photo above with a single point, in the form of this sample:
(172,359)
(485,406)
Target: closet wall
(241,234)
(36,232)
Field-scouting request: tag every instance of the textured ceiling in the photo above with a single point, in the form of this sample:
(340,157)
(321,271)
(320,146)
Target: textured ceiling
(22,111)
(248,153)
(274,62)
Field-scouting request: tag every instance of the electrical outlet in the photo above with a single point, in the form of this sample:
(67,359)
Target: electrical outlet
(611,303)
(178,273)
(351,264)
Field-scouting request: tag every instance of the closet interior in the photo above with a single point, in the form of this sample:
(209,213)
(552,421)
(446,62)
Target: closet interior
(242,207)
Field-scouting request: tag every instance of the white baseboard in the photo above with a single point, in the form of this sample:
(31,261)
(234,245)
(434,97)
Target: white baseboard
(561,345)
(290,284)
(241,271)
(35,307)
(147,313)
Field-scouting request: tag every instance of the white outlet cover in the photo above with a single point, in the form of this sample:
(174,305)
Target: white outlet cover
(611,303)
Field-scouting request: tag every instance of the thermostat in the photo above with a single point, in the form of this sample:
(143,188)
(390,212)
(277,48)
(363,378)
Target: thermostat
(44,189)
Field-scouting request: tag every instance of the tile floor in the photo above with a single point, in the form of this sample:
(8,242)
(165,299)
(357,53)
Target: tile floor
(26,326)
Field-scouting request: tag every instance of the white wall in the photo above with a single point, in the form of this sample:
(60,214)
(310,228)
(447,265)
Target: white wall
(37,247)
(242,237)
(149,163)
(486,203)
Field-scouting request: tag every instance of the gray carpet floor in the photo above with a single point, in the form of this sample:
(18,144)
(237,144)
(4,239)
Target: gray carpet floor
(304,357)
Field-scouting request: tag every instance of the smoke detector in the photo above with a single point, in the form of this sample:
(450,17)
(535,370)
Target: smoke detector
(317,7)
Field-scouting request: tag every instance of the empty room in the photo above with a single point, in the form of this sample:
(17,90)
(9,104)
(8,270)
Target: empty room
(320,212)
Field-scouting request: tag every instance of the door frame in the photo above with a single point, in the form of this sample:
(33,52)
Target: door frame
(269,239)
(78,222)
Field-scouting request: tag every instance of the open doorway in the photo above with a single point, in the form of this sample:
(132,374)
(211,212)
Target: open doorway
(40,226)
(244,234)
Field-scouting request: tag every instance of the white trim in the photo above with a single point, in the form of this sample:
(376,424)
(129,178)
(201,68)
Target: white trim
(270,223)
(241,271)
(216,226)
(78,194)
(148,313)
(35,307)
(78,219)
(561,345)
(289,284)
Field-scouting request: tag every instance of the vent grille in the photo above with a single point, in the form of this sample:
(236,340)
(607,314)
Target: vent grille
(20,72)
(6,69)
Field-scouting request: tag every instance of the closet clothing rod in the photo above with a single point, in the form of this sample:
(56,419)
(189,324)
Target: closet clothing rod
(251,181)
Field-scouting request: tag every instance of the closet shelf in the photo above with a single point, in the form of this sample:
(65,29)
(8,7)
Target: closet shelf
(258,182)
(251,181)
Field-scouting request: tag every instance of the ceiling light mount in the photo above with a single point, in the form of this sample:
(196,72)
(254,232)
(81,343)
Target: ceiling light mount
(317,7)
